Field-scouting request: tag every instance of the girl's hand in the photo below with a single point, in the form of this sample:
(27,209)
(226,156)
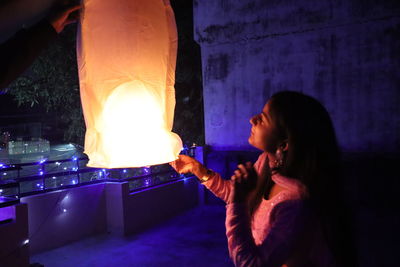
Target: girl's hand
(244,182)
(186,164)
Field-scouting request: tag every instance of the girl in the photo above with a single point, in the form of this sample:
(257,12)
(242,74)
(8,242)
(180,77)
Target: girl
(286,209)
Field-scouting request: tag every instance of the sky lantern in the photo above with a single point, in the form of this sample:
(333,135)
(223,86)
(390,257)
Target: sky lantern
(126,53)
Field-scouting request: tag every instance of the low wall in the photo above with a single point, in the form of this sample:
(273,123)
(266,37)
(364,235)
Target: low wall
(14,250)
(63,216)
(147,208)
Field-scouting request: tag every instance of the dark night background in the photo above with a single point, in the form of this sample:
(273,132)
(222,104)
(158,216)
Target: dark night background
(233,55)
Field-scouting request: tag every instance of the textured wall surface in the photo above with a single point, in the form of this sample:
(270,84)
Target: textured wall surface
(344,53)
(51,227)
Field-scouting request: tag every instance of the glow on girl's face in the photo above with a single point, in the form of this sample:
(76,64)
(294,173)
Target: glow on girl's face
(263,131)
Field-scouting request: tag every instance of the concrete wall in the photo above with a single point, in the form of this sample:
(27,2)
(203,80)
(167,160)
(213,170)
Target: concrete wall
(14,251)
(63,216)
(150,207)
(344,53)
(60,217)
(129,213)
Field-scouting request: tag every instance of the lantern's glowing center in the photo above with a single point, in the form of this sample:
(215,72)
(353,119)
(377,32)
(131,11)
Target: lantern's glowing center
(134,132)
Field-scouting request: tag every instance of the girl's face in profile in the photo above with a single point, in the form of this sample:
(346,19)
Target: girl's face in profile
(264,135)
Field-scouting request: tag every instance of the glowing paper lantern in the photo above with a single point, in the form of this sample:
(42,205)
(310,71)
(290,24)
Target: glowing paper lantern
(126,57)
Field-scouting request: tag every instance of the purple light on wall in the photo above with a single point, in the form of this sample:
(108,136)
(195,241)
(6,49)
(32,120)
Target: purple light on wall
(7,213)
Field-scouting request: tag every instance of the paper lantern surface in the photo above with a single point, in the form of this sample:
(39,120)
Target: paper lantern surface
(126,60)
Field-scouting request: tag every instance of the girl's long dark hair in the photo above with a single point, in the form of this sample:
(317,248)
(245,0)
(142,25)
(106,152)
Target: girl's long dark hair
(313,158)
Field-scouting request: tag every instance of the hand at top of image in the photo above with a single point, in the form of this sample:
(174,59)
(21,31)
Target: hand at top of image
(64,16)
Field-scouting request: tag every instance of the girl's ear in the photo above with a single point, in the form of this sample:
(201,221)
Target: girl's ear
(284,145)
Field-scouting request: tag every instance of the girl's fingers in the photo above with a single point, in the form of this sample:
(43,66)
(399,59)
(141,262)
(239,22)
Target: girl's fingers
(243,170)
(234,179)
(238,173)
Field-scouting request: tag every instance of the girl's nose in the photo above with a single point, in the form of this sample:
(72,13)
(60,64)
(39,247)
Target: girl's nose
(252,120)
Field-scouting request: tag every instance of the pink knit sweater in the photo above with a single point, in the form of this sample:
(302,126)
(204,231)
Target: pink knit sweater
(282,232)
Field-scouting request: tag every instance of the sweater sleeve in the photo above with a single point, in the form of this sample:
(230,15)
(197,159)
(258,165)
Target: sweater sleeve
(19,52)
(222,187)
(286,225)
(219,186)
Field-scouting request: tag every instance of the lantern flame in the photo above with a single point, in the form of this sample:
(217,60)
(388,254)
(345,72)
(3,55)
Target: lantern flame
(134,132)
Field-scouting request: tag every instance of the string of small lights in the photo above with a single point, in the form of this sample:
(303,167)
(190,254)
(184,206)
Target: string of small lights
(58,174)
